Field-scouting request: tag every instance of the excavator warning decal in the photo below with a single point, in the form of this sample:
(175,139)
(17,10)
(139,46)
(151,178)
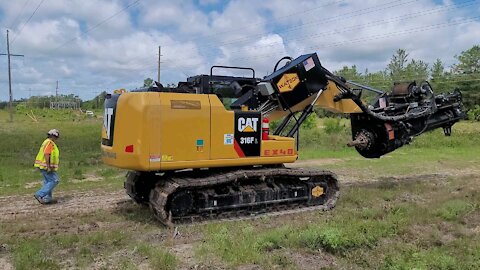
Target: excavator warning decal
(288,82)
(247,133)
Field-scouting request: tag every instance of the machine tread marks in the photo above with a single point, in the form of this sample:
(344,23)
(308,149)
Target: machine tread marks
(165,189)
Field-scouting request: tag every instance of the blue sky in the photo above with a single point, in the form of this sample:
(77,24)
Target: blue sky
(94,45)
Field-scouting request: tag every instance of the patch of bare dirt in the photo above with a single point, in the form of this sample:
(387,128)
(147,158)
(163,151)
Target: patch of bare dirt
(32,184)
(312,261)
(316,162)
(437,178)
(114,260)
(88,178)
(472,221)
(186,255)
(5,264)
(69,204)
(64,217)
(361,175)
(249,267)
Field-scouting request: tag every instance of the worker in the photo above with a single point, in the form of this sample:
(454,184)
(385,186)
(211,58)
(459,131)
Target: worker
(47,161)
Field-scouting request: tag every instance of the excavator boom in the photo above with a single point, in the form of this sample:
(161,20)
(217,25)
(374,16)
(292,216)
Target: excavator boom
(203,149)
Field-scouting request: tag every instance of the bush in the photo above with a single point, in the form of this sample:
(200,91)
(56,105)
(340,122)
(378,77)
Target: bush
(474,113)
(333,126)
(310,122)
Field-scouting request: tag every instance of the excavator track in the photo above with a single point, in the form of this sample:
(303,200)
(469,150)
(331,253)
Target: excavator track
(187,197)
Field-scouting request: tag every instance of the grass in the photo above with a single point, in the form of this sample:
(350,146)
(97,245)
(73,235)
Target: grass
(105,249)
(32,254)
(365,229)
(415,258)
(460,253)
(429,221)
(454,209)
(159,257)
(79,153)
(99,239)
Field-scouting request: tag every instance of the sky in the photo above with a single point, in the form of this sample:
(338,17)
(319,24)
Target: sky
(90,46)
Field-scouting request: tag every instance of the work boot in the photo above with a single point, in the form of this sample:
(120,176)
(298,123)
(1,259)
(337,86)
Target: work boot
(39,199)
(52,201)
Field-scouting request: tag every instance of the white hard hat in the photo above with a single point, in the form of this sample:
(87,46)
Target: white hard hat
(54,132)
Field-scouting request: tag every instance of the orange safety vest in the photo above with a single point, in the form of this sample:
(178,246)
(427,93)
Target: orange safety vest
(40,161)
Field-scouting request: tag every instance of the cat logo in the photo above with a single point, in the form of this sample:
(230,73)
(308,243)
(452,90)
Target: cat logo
(247,124)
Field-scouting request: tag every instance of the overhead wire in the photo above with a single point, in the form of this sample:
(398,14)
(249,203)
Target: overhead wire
(19,13)
(100,23)
(366,39)
(128,6)
(356,27)
(28,20)
(133,3)
(340,17)
(256,24)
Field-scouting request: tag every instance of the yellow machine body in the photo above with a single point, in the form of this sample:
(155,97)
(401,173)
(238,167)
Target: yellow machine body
(175,130)
(169,131)
(325,102)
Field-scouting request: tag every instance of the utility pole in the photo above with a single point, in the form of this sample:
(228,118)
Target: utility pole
(56,93)
(159,57)
(8,54)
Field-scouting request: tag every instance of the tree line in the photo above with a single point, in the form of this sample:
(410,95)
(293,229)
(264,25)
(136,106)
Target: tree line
(41,102)
(464,75)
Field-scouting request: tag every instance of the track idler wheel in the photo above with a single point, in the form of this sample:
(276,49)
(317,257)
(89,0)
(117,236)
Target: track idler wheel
(138,186)
(181,203)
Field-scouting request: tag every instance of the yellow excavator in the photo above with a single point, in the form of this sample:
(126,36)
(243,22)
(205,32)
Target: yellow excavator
(203,150)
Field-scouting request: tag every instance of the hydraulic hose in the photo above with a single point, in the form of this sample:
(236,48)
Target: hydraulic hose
(347,93)
(281,59)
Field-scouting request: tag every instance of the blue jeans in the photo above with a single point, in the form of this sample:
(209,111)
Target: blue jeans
(50,181)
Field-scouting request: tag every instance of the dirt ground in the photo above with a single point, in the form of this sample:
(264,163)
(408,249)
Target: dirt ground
(72,204)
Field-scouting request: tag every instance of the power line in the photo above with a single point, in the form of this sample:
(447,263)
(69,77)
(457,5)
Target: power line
(100,23)
(256,24)
(361,26)
(8,54)
(19,13)
(315,22)
(341,17)
(29,18)
(366,39)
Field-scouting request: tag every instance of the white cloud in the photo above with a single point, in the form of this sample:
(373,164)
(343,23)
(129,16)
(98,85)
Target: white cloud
(194,35)
(43,37)
(257,54)
(181,17)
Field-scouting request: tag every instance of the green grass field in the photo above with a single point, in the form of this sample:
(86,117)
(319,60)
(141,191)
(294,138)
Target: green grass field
(416,208)
(79,151)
